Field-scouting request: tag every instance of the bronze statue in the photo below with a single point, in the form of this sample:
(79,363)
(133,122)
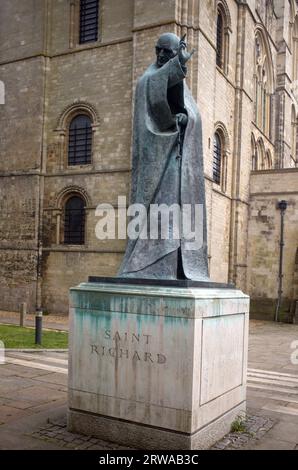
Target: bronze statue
(167,165)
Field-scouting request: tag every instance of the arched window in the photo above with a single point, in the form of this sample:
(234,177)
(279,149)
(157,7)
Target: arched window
(77,133)
(217,158)
(89,13)
(268,161)
(261,154)
(222,35)
(80,141)
(74,221)
(254,154)
(220,155)
(263,85)
(219,39)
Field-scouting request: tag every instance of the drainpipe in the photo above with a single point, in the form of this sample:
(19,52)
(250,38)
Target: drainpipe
(282,206)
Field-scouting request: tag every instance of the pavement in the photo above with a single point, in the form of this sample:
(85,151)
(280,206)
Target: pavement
(273,382)
(51,322)
(33,395)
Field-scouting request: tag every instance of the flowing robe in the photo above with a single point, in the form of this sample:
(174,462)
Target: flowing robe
(158,177)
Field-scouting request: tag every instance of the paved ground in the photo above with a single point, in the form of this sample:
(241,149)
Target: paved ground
(33,397)
(55,322)
(273,382)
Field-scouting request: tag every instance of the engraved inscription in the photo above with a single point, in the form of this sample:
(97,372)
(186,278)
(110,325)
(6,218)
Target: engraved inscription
(127,346)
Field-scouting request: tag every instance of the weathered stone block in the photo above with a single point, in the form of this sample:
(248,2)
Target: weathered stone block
(157,367)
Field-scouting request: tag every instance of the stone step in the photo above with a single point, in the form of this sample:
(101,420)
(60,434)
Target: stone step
(259,386)
(269,381)
(37,357)
(271,372)
(36,365)
(281,409)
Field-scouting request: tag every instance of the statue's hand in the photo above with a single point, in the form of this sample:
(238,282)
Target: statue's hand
(183,55)
(182,119)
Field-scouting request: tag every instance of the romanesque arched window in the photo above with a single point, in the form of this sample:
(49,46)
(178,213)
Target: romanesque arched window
(77,132)
(80,140)
(263,85)
(74,221)
(220,155)
(217,158)
(222,35)
(89,14)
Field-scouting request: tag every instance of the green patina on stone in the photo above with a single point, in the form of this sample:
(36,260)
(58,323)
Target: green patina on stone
(176,321)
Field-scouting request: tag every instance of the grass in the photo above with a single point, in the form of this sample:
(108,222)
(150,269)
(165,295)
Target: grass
(239,425)
(16,337)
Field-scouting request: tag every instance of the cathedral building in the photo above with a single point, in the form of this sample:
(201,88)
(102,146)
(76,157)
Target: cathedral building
(68,70)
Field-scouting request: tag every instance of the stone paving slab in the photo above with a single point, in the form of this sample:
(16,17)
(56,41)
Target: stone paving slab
(9,413)
(53,379)
(285,430)
(11,384)
(38,394)
(48,406)
(268,443)
(21,371)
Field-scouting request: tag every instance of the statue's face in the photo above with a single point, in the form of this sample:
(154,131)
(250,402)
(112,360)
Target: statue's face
(166,48)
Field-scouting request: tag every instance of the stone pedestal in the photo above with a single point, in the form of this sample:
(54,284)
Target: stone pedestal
(157,367)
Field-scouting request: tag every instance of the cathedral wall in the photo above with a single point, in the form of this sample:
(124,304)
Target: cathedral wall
(102,78)
(115,24)
(102,75)
(267,188)
(22,29)
(65,269)
(21,117)
(18,241)
(21,138)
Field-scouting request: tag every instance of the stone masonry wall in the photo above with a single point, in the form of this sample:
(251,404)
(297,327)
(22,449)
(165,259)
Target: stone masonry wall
(267,188)
(18,241)
(48,75)
(100,77)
